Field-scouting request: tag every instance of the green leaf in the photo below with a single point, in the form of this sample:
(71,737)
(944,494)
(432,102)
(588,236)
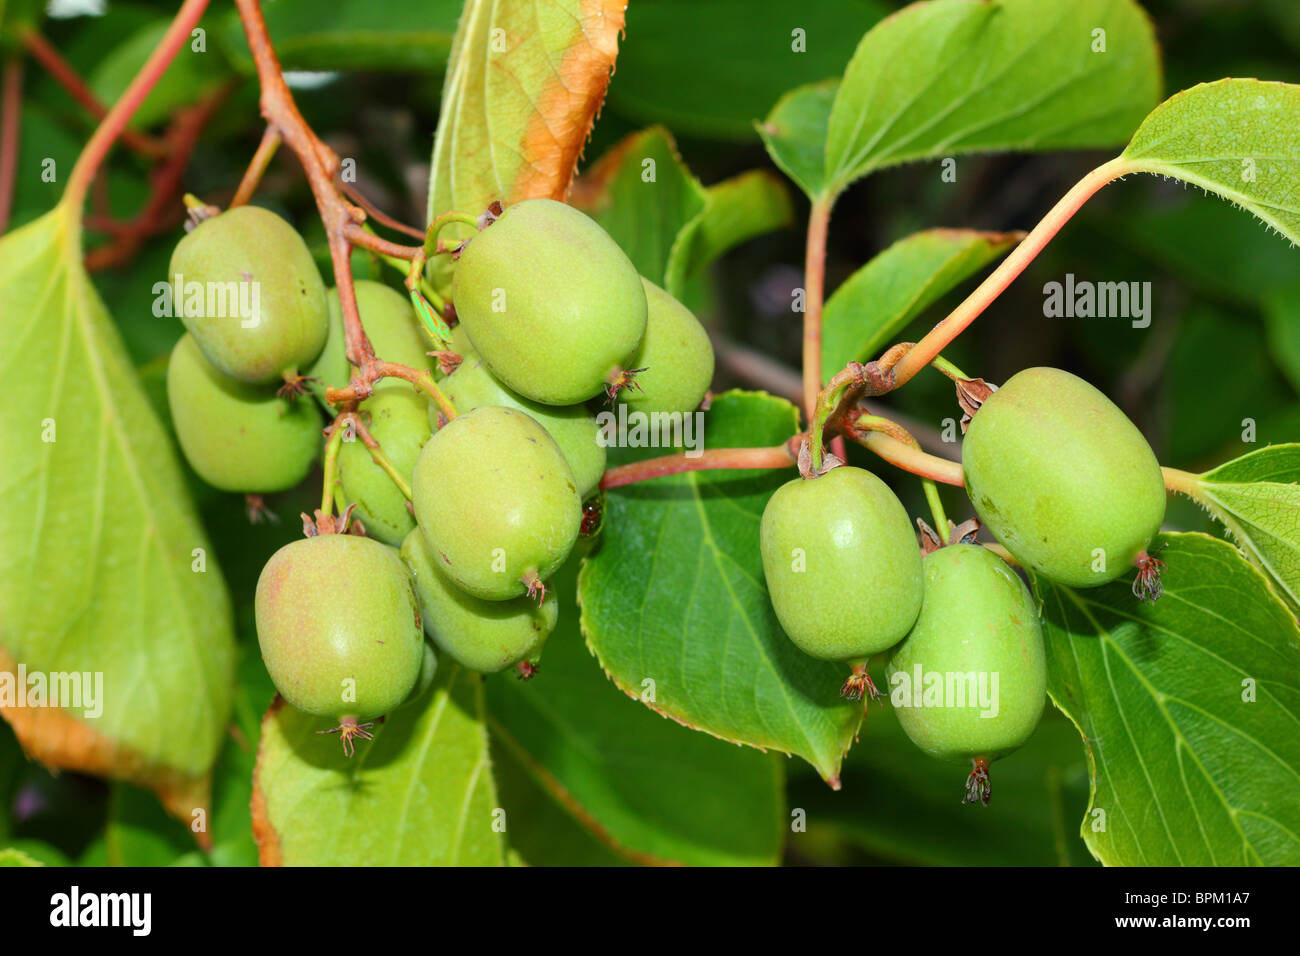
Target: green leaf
(139,833)
(1189,708)
(675,609)
(1239,139)
(98,540)
(643,195)
(710,69)
(655,791)
(891,290)
(795,134)
(736,210)
(190,77)
(948,77)
(671,226)
(523,87)
(1257,497)
(900,805)
(419,794)
(352,34)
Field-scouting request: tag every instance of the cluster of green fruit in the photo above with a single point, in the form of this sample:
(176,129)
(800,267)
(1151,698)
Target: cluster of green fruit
(462,521)
(1065,482)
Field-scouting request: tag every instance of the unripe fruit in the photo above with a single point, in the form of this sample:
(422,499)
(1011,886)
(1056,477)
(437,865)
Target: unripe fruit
(675,361)
(339,626)
(428,669)
(399,421)
(550,302)
(573,427)
(842,565)
(979,632)
(1062,478)
(497,502)
(485,636)
(253,255)
(238,437)
(331,368)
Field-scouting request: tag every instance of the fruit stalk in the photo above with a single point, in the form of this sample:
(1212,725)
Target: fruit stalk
(868,432)
(934,342)
(115,121)
(10,109)
(257,166)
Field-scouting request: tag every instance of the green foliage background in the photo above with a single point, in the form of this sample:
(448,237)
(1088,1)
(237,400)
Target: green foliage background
(1222,349)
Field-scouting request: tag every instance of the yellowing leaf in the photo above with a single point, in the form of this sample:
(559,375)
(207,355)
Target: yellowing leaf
(523,87)
(105,570)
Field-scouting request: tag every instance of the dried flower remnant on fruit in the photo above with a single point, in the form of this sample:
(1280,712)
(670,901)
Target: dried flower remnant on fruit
(1147,586)
(979,788)
(971,394)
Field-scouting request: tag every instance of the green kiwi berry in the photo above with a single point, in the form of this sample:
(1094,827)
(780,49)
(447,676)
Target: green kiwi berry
(249,292)
(1063,479)
(485,636)
(238,437)
(398,418)
(673,368)
(497,502)
(550,302)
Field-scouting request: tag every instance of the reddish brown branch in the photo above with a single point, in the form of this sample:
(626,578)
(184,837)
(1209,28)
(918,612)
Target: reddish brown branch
(11,104)
(368,240)
(377,214)
(714,458)
(63,73)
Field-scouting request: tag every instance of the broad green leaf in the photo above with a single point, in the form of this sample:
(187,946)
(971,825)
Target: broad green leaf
(736,210)
(947,77)
(902,806)
(352,34)
(652,789)
(710,69)
(540,832)
(670,225)
(878,300)
(1257,497)
(675,609)
(523,87)
(191,76)
(1239,139)
(1189,708)
(643,195)
(795,134)
(104,568)
(419,794)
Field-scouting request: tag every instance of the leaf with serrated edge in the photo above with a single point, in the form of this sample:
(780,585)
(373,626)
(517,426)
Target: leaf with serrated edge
(878,300)
(1257,497)
(1189,710)
(675,595)
(514,120)
(948,77)
(419,794)
(646,787)
(98,539)
(1239,139)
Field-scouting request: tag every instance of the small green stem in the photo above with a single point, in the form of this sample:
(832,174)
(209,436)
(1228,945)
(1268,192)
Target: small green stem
(382,460)
(330,480)
(891,442)
(828,399)
(952,371)
(1185,483)
(445,219)
(936,507)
